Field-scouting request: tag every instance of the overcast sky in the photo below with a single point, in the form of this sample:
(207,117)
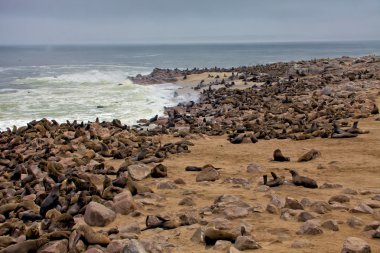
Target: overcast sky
(173,21)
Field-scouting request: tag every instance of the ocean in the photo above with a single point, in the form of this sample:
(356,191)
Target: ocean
(83,82)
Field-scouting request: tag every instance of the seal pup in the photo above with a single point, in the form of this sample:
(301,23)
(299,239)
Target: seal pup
(279,157)
(158,171)
(303,181)
(276,181)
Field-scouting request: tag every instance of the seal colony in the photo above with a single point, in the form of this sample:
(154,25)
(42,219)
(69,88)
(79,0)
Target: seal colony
(174,182)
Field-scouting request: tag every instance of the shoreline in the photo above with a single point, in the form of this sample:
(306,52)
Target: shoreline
(198,172)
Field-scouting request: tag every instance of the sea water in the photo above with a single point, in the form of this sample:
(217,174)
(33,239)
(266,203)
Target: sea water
(82,82)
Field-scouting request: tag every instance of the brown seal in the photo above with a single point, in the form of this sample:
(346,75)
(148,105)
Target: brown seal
(92,237)
(303,181)
(25,246)
(276,181)
(51,201)
(278,157)
(159,171)
(310,155)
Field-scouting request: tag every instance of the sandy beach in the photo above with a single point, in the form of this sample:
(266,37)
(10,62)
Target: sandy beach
(108,179)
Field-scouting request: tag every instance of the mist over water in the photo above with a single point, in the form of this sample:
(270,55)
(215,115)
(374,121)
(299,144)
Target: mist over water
(85,82)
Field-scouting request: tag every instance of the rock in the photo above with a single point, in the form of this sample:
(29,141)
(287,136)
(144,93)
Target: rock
(254,168)
(167,185)
(130,228)
(272,209)
(234,212)
(320,207)
(372,226)
(301,243)
(61,246)
(293,204)
(198,236)
(330,186)
(220,229)
(139,171)
(263,188)
(305,216)
(134,246)
(376,197)
(339,199)
(187,201)
(207,174)
(306,202)
(278,201)
(362,208)
(350,191)
(157,243)
(124,203)
(331,225)
(355,245)
(245,243)
(179,181)
(115,246)
(98,215)
(222,245)
(355,222)
(310,227)
(94,250)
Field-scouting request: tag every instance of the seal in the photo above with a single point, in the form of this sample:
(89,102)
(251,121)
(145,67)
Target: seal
(276,181)
(50,201)
(278,157)
(303,181)
(310,155)
(25,246)
(355,130)
(92,237)
(159,170)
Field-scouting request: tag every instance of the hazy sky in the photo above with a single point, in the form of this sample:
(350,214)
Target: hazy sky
(171,21)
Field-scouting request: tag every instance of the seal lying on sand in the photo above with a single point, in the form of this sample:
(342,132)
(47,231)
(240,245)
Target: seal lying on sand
(276,181)
(278,157)
(312,154)
(339,133)
(355,130)
(303,181)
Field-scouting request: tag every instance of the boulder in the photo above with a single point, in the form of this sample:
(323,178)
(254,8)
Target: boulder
(139,171)
(246,243)
(98,215)
(331,225)
(234,212)
(124,203)
(310,227)
(339,198)
(60,246)
(355,245)
(208,174)
(293,204)
(301,243)
(134,246)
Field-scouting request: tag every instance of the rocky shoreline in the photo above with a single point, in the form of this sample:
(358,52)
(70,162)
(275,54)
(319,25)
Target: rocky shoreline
(65,187)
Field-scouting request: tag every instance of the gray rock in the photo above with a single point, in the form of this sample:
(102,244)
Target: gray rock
(350,191)
(207,174)
(254,168)
(362,208)
(157,243)
(263,188)
(272,209)
(124,203)
(167,185)
(330,186)
(139,171)
(339,199)
(305,216)
(186,201)
(310,227)
(372,226)
(98,215)
(293,204)
(246,243)
(222,245)
(130,228)
(331,225)
(134,246)
(94,250)
(320,207)
(115,246)
(60,246)
(376,197)
(354,222)
(301,243)
(355,245)
(234,212)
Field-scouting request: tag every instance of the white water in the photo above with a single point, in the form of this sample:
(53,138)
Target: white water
(83,96)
